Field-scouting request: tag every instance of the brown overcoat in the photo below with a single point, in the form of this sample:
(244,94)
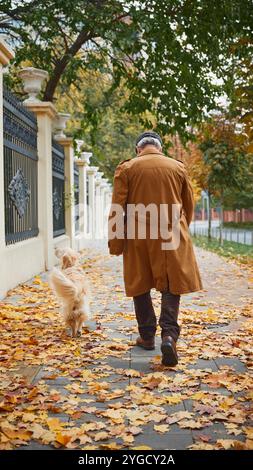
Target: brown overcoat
(155,178)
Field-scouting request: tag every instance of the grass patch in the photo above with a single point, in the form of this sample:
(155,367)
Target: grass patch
(232,250)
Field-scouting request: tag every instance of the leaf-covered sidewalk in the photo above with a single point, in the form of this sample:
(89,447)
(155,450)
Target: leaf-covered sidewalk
(100,391)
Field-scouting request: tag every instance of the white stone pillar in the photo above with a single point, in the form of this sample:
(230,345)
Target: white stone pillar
(103,207)
(67,144)
(99,209)
(91,172)
(6,54)
(82,164)
(45,112)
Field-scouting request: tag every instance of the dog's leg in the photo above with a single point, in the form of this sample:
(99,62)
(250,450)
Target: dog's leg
(73,332)
(80,325)
(75,329)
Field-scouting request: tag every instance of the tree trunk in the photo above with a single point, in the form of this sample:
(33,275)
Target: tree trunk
(61,65)
(54,79)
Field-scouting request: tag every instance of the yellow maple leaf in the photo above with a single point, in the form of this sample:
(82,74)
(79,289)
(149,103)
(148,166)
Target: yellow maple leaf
(17,434)
(55,424)
(84,439)
(248,431)
(28,417)
(132,373)
(127,438)
(101,436)
(63,439)
(174,399)
(225,443)
(197,396)
(161,428)
(38,430)
(190,424)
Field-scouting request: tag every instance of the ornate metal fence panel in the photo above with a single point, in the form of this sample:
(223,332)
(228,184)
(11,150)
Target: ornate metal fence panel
(20,170)
(76,197)
(58,189)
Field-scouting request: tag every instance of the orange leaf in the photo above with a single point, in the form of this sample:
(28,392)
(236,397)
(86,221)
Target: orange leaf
(63,438)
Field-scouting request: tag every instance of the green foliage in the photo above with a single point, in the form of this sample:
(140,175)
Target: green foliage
(241,198)
(228,163)
(228,166)
(165,52)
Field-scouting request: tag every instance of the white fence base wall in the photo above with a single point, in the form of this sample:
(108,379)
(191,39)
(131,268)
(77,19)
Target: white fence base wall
(62,242)
(20,262)
(23,260)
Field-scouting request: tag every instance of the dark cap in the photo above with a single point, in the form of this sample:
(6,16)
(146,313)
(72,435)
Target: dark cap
(149,134)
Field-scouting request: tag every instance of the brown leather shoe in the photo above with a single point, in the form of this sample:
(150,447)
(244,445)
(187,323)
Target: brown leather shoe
(169,352)
(148,344)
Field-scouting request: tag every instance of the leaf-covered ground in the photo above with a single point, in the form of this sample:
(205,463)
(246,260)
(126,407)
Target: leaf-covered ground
(100,391)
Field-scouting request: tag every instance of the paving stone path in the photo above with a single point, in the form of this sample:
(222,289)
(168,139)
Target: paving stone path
(212,325)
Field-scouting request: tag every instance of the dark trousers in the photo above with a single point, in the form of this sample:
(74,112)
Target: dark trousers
(146,318)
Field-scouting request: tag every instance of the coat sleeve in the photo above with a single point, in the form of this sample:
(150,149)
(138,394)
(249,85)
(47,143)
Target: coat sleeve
(119,198)
(187,199)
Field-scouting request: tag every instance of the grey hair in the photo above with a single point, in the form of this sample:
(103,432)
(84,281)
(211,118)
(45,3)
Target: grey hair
(149,141)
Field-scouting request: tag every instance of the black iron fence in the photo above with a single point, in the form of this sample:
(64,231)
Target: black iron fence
(76,197)
(58,189)
(21,175)
(20,170)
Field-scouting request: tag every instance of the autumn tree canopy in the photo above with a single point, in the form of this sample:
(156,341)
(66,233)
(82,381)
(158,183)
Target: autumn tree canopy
(167,53)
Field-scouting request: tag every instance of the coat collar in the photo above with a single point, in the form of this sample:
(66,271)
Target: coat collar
(149,150)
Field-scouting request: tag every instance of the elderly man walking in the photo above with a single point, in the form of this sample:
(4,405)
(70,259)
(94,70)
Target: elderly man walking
(152,180)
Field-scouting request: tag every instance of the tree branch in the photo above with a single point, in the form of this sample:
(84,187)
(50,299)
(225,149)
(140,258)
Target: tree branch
(61,64)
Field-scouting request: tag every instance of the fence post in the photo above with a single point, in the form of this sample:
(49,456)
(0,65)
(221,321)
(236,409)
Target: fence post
(103,206)
(6,54)
(98,204)
(45,112)
(91,172)
(108,201)
(67,144)
(82,164)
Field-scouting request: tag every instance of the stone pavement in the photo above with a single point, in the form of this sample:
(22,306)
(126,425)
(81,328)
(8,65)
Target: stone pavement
(100,391)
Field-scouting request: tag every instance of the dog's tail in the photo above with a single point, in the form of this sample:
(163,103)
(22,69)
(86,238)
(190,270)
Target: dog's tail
(63,286)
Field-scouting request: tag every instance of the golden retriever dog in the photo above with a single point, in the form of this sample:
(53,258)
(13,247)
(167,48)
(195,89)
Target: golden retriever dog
(71,287)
